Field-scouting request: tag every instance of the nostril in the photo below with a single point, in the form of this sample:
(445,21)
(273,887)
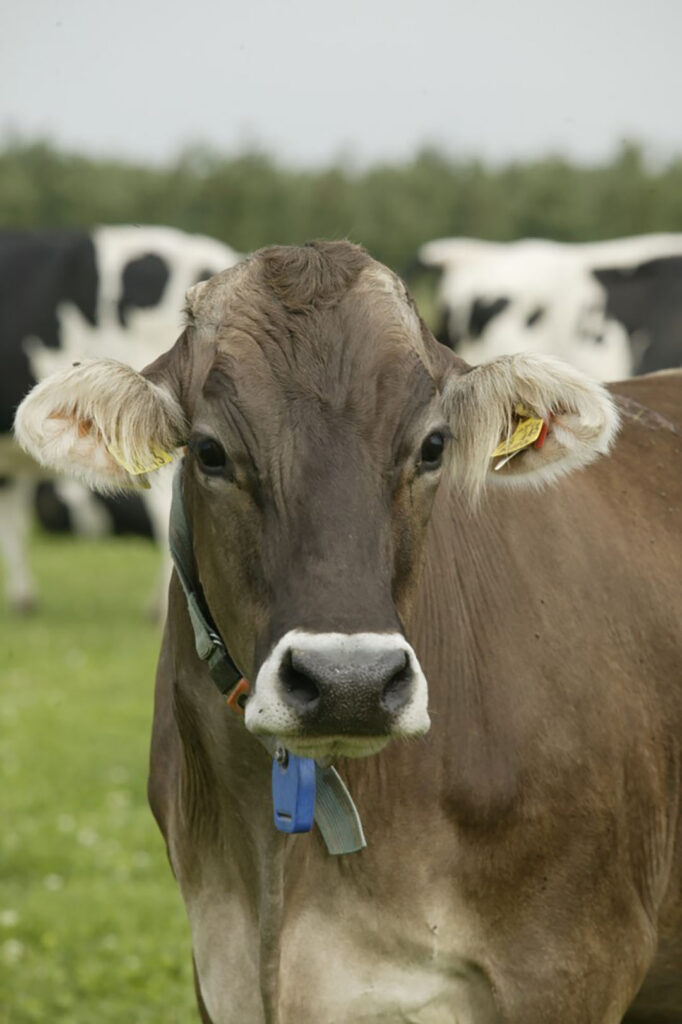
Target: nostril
(299,689)
(397,690)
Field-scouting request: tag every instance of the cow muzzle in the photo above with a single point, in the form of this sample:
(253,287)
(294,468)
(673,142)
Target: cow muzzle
(332,694)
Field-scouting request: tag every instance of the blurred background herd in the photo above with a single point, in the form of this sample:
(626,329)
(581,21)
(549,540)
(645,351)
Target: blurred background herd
(388,123)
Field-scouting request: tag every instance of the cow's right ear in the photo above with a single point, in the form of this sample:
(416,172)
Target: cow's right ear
(103,422)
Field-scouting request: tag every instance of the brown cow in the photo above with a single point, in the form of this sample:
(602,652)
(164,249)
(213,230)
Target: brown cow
(523,861)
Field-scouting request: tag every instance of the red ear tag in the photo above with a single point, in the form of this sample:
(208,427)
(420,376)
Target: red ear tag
(543,435)
(237,698)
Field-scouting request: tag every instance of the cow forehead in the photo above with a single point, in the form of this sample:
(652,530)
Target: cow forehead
(351,361)
(267,285)
(345,339)
(285,414)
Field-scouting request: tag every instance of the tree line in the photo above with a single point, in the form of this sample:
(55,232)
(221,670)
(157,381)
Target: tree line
(251,199)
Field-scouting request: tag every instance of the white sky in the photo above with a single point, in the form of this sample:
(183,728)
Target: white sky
(311,80)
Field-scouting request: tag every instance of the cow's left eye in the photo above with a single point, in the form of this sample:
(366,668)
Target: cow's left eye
(210,454)
(432,450)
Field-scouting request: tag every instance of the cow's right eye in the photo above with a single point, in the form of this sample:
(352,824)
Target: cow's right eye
(210,454)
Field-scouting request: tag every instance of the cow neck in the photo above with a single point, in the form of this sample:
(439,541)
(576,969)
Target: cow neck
(334,811)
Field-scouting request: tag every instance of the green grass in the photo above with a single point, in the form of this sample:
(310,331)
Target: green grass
(92,927)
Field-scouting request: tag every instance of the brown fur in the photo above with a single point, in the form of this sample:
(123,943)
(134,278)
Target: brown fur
(306,278)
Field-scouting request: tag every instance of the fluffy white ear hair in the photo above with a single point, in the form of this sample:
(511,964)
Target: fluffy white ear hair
(101,422)
(581,416)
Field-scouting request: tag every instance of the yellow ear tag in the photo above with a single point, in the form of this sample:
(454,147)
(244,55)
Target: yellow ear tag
(157,458)
(526,432)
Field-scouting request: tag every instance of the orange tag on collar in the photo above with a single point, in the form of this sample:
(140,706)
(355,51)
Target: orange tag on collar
(237,698)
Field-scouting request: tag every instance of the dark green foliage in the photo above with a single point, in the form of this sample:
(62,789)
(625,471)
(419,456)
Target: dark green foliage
(251,200)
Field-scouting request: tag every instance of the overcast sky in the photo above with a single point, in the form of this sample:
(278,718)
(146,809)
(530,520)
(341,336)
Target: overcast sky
(311,80)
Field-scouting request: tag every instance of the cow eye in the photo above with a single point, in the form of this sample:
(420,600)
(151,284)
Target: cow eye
(210,454)
(432,451)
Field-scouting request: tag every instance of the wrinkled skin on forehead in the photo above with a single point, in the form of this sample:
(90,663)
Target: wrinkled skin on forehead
(321,408)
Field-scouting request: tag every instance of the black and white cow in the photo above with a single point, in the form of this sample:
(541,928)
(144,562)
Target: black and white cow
(62,508)
(612,309)
(116,292)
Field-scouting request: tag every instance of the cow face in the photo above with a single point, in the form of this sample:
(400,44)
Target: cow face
(317,442)
(320,418)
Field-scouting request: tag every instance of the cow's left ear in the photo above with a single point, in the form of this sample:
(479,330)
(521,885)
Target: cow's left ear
(103,422)
(524,420)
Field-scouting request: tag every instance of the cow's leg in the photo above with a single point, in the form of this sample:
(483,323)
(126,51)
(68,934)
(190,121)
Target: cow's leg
(158,501)
(16,495)
(89,517)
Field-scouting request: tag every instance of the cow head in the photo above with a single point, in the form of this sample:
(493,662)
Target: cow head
(320,417)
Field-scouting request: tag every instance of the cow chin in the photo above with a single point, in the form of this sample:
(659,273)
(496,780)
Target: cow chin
(326,749)
(327,695)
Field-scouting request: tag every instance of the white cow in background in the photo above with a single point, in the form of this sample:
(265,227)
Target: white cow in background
(113,292)
(612,308)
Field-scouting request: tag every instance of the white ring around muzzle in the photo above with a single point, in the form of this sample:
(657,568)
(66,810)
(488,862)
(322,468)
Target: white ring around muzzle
(268,713)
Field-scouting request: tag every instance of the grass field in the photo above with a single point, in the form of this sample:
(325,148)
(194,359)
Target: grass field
(92,929)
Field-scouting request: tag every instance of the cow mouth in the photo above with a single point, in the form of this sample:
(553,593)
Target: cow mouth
(328,748)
